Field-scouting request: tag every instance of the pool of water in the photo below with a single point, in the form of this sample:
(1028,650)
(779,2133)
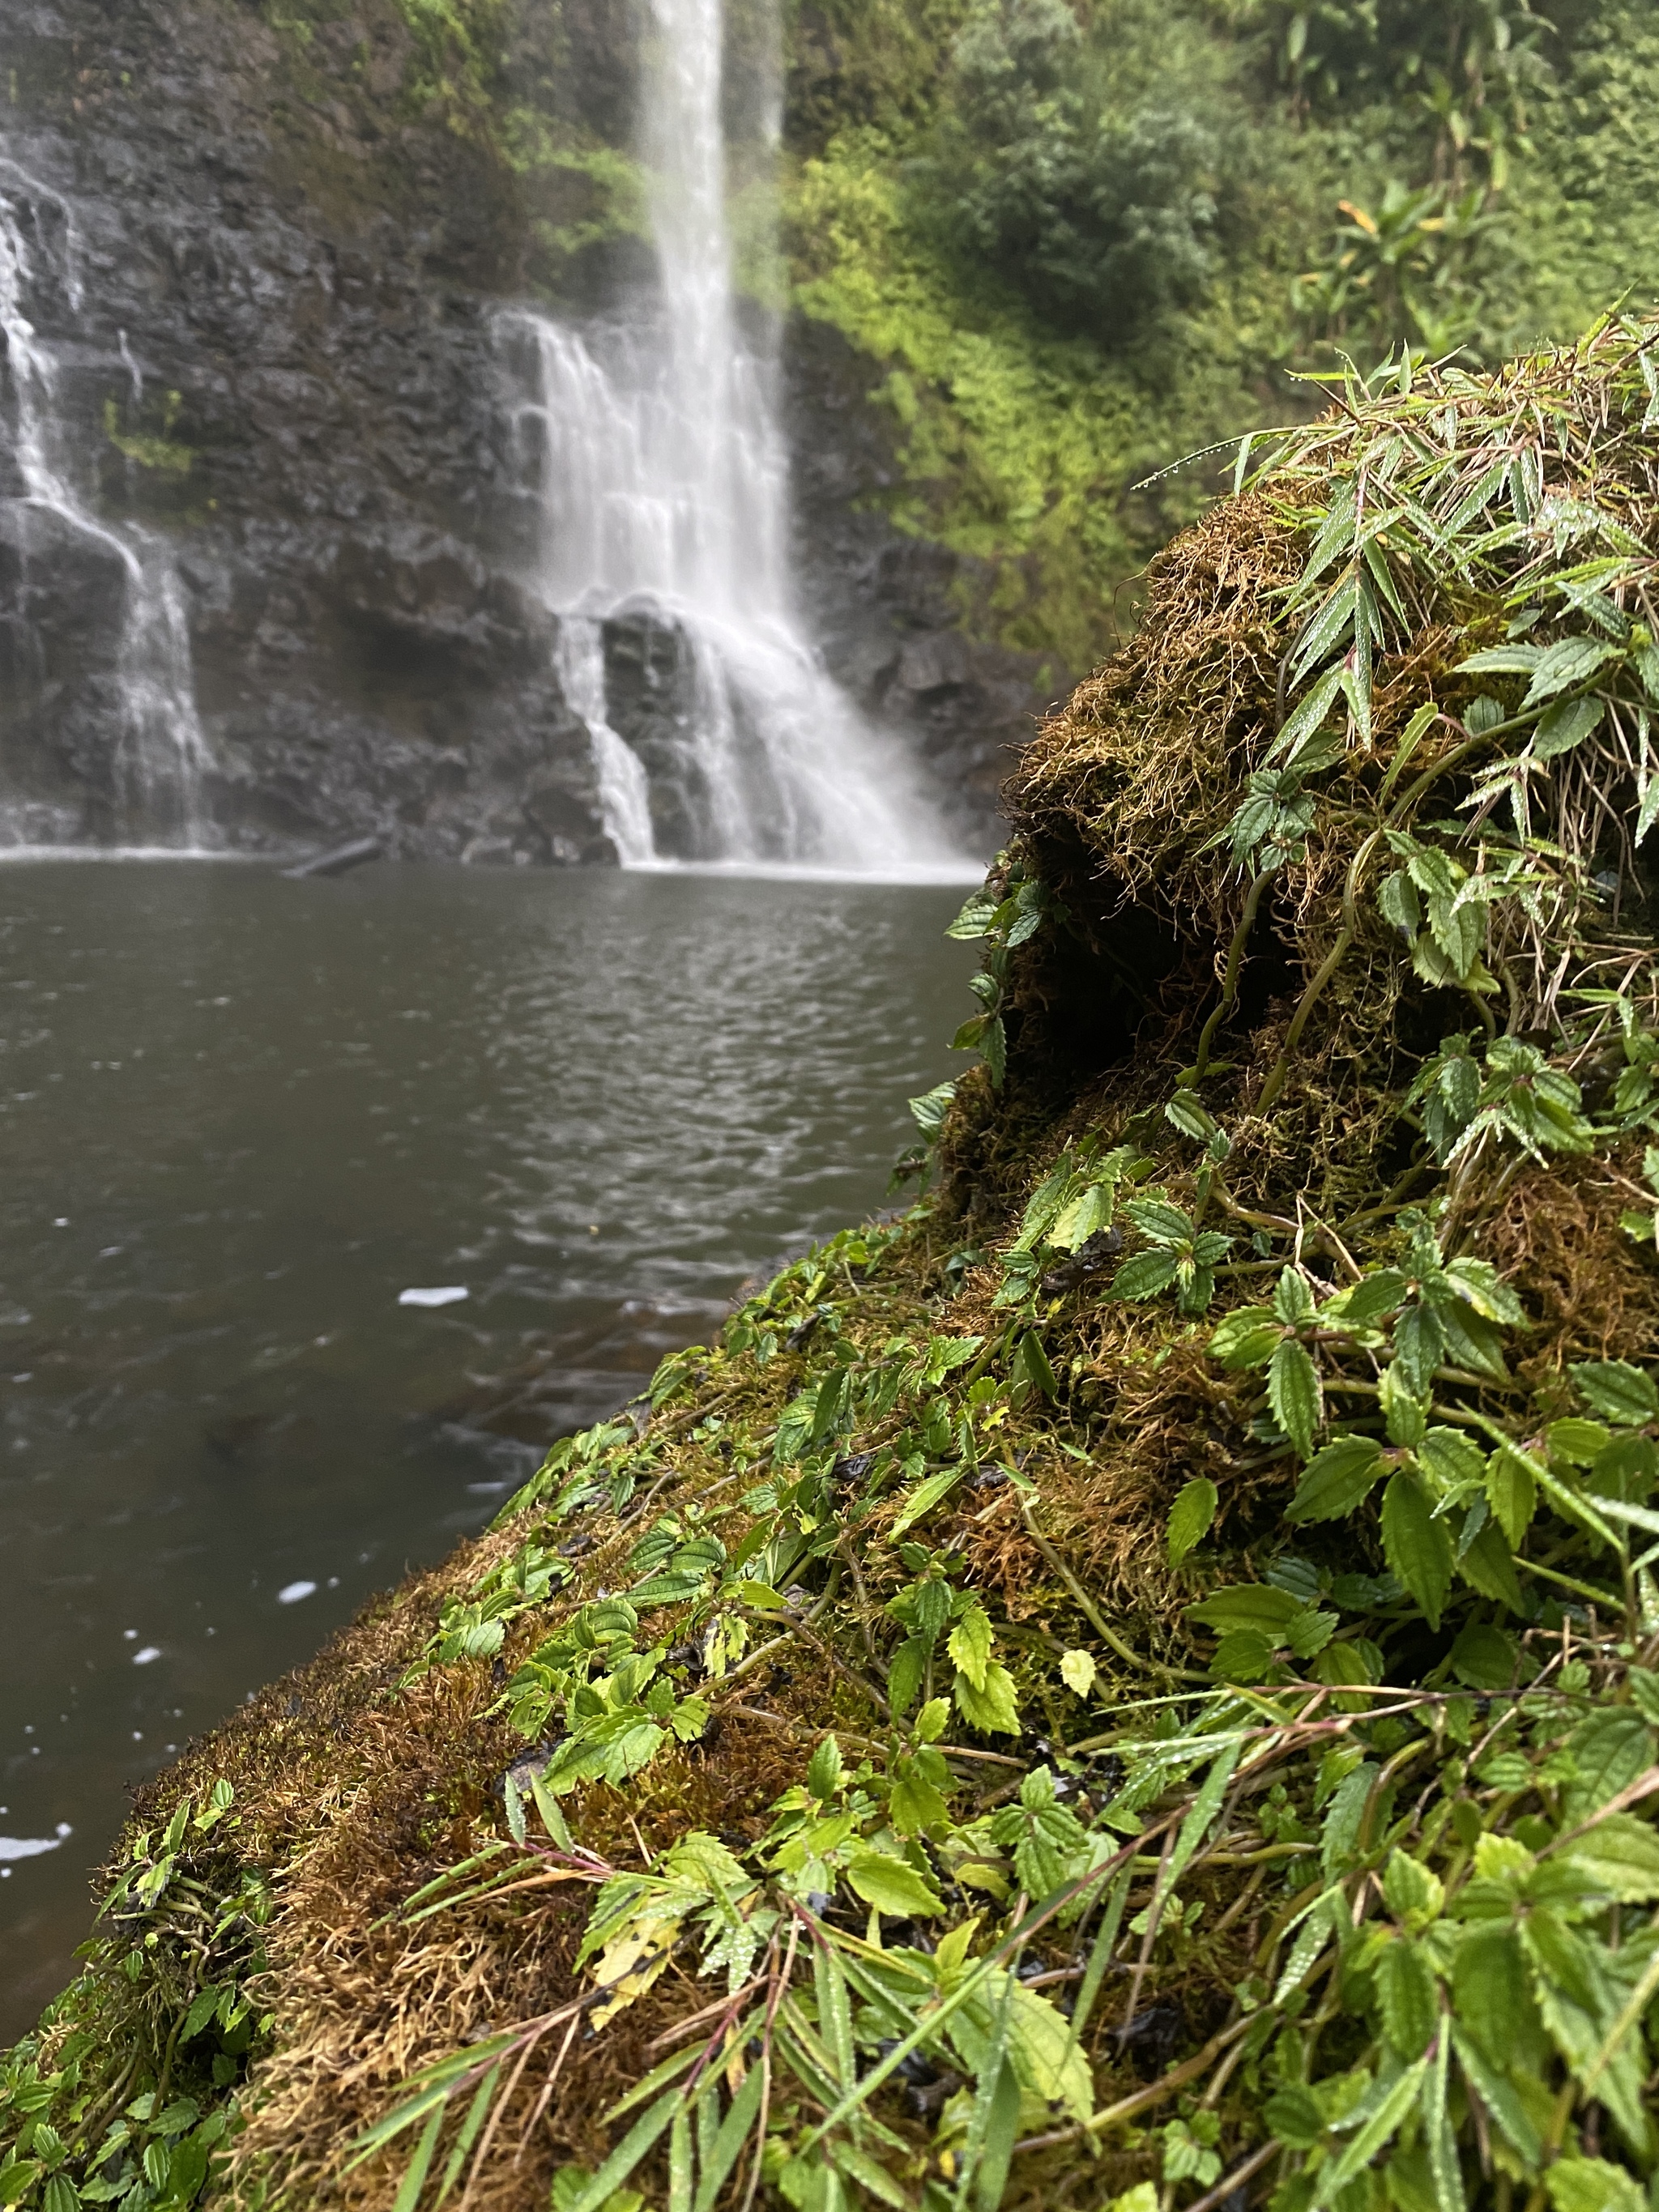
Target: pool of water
(241,1116)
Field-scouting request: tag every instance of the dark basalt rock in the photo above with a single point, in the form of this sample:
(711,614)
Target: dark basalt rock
(282,365)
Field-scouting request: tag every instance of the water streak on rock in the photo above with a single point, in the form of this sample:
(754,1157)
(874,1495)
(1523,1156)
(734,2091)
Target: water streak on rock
(155,777)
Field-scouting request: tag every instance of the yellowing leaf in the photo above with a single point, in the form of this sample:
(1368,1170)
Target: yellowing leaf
(1083,1217)
(992,1706)
(631,1962)
(1078,1671)
(970,1644)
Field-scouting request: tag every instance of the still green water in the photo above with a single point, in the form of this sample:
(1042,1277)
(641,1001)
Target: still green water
(239,1116)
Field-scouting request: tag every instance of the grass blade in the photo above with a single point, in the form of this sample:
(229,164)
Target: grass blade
(414,2180)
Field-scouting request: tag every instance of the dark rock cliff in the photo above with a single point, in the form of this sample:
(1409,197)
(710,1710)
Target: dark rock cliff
(264,273)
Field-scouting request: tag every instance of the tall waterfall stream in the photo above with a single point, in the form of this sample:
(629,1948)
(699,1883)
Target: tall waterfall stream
(664,485)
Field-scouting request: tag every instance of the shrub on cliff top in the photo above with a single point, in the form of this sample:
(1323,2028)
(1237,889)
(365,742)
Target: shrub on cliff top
(1136,1682)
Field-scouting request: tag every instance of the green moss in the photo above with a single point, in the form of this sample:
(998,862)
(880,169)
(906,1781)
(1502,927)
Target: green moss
(158,452)
(1019,446)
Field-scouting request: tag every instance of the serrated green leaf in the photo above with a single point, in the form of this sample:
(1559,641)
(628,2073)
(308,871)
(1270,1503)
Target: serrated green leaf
(1407,1993)
(905,1673)
(1156,1218)
(1031,1366)
(1247,1605)
(1415,1545)
(1502,660)
(992,1707)
(1191,1517)
(1146,1275)
(1308,717)
(892,1886)
(1483,1657)
(1366,1302)
(1083,1217)
(919,1502)
(1420,1345)
(1610,1750)
(1382,2123)
(976,919)
(1618,1390)
(1309,1633)
(1246,1337)
(1185,1112)
(1336,1480)
(1566,726)
(1405,1416)
(1593,2184)
(824,1769)
(1450,1462)
(1398,902)
(1578,1443)
(1293,2118)
(1512,1492)
(1487,1564)
(1412,1892)
(1295,1394)
(1620,1855)
(970,1643)
(1571,661)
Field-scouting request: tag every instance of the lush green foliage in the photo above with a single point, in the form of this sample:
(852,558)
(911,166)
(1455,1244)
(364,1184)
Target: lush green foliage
(1421,1744)
(1085,241)
(121,2097)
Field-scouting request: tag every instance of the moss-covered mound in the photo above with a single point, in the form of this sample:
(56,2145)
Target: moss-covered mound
(1134,1683)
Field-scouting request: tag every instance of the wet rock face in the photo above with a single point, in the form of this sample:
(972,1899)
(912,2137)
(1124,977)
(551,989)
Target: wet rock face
(274,362)
(891,608)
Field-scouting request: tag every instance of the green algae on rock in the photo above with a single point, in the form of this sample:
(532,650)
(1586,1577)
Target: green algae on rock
(1136,1679)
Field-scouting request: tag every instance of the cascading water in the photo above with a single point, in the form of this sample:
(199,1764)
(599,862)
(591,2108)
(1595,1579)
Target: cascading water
(161,754)
(664,490)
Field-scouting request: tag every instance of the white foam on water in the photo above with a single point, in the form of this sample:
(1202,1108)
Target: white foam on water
(446,1294)
(31,1847)
(291,1593)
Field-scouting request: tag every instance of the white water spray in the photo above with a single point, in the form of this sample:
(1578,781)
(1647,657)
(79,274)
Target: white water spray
(162,752)
(665,491)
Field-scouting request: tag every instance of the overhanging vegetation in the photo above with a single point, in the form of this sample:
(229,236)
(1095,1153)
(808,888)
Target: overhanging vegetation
(1137,1678)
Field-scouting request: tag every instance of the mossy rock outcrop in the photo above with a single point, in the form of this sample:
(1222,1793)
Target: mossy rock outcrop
(1133,1682)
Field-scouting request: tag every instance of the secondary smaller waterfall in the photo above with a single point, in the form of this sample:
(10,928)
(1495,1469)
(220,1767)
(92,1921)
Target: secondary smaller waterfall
(624,792)
(157,773)
(664,488)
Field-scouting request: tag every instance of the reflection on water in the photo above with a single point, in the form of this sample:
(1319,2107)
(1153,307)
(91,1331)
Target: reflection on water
(241,1116)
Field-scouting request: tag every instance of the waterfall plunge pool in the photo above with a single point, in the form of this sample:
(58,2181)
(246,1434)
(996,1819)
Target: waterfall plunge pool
(241,1116)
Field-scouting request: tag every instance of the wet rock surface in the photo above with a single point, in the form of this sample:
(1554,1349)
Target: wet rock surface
(276,367)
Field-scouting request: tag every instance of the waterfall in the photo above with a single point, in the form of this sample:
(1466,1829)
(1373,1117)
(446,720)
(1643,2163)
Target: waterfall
(662,479)
(161,753)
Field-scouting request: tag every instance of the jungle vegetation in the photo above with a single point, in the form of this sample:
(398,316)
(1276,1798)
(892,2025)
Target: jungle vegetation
(1078,241)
